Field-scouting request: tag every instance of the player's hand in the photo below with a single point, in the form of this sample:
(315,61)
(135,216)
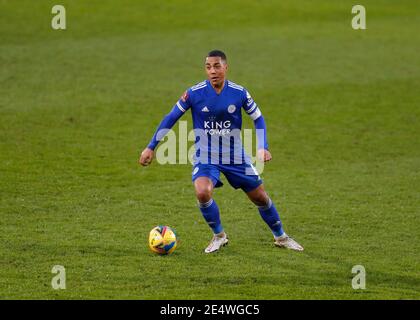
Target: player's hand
(146,157)
(264,155)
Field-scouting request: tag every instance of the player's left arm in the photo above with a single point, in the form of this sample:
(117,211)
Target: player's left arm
(252,109)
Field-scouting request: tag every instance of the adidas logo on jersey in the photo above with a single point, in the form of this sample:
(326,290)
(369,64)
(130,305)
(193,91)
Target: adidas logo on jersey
(205,109)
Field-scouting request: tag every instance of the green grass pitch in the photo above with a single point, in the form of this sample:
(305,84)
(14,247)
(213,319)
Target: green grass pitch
(78,105)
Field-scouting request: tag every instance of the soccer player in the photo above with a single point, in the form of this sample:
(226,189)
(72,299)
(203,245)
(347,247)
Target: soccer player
(216,105)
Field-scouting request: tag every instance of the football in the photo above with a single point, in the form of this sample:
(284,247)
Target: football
(162,240)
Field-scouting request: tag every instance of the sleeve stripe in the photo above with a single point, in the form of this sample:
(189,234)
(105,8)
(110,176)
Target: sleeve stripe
(235,87)
(200,85)
(256,114)
(252,108)
(180,107)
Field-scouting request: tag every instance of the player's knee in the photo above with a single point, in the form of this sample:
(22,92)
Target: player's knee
(203,193)
(261,199)
(203,196)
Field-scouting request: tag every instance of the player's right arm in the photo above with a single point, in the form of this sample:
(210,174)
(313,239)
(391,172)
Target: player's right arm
(166,124)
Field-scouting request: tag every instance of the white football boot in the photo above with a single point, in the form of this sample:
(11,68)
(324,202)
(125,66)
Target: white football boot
(216,243)
(285,241)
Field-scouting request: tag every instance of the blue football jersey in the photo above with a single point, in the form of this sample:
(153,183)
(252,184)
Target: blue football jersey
(217,121)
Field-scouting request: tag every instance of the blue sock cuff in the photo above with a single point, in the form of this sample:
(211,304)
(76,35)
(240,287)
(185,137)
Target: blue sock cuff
(210,212)
(205,204)
(217,228)
(267,206)
(272,218)
(275,231)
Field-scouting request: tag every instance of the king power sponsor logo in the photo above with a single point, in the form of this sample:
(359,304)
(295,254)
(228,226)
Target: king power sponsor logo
(217,127)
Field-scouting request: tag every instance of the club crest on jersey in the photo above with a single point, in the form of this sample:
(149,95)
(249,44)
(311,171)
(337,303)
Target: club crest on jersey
(184,97)
(231,108)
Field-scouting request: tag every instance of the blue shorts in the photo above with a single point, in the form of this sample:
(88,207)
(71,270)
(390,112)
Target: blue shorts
(243,175)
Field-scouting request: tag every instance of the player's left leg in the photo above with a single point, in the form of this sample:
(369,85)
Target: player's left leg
(271,217)
(246,177)
(267,209)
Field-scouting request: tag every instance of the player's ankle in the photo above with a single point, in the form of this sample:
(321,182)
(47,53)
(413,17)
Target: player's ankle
(281,237)
(221,234)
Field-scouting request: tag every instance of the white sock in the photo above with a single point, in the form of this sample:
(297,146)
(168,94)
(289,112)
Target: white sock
(283,236)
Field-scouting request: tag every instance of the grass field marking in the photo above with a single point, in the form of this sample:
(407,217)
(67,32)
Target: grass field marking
(359,280)
(58,281)
(359,20)
(59,20)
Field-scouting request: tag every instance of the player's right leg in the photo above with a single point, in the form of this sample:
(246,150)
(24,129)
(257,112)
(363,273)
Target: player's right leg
(203,186)
(270,215)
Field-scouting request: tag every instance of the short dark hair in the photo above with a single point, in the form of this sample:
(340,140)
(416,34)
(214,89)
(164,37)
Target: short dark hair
(217,53)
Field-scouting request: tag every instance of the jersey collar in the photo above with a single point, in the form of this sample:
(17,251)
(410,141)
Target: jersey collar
(214,91)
